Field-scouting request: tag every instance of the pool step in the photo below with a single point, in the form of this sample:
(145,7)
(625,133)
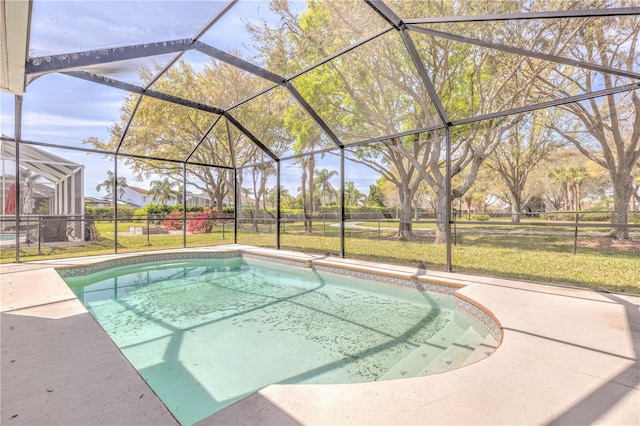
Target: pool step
(456,354)
(415,361)
(484,349)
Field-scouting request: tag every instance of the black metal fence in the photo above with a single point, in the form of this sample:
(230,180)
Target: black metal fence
(38,237)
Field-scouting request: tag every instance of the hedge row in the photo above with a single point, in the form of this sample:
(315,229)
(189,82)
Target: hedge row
(150,210)
(588,216)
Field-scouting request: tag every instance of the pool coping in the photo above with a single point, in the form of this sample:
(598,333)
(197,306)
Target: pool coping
(584,368)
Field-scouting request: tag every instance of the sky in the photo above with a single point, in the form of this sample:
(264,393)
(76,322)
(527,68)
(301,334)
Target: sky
(63,110)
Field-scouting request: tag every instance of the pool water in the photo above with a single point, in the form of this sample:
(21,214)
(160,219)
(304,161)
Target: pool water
(206,333)
(11,237)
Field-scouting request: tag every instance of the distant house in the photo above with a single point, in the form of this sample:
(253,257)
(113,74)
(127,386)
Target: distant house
(134,196)
(104,202)
(202,200)
(97,201)
(140,198)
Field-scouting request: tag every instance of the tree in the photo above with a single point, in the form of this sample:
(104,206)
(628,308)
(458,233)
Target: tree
(525,145)
(30,174)
(577,176)
(110,183)
(167,130)
(480,201)
(389,194)
(635,197)
(164,190)
(560,176)
(259,176)
(375,197)
(304,162)
(352,195)
(322,182)
(376,91)
(605,130)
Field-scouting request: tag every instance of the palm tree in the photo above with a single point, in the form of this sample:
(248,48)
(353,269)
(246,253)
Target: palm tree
(272,196)
(246,192)
(576,176)
(322,178)
(352,196)
(306,210)
(28,173)
(244,198)
(110,183)
(180,194)
(561,176)
(164,190)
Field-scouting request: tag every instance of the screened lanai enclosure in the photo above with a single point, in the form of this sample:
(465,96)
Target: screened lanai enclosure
(476,136)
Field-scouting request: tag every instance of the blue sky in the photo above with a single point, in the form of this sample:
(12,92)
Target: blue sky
(63,110)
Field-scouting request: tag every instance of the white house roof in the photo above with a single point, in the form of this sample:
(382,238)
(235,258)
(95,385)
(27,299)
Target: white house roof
(137,189)
(50,166)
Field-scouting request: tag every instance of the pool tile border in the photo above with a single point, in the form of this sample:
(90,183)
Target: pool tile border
(388,279)
(421,282)
(298,263)
(480,314)
(76,270)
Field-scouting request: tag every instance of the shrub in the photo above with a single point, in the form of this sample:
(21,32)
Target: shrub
(160,209)
(174,221)
(203,222)
(480,217)
(290,213)
(106,212)
(596,214)
(139,214)
(358,212)
(559,216)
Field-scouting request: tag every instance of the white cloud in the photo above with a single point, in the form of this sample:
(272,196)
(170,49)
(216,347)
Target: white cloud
(54,120)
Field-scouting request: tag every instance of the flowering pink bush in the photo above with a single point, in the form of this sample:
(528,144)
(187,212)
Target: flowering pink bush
(203,222)
(173,221)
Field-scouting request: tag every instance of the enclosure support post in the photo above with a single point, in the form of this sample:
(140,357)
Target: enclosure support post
(18,136)
(575,236)
(342,252)
(448,206)
(115,204)
(235,206)
(278,205)
(184,205)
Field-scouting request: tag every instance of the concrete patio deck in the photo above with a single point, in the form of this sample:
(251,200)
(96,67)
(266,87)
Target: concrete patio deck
(568,356)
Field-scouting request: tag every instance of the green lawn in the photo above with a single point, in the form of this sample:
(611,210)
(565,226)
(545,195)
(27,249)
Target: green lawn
(600,263)
(496,225)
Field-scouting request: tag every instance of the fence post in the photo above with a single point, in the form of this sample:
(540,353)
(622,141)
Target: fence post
(455,231)
(148,241)
(324,222)
(378,226)
(575,236)
(39,235)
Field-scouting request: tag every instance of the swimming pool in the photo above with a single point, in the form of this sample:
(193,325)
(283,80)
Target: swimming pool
(11,237)
(205,333)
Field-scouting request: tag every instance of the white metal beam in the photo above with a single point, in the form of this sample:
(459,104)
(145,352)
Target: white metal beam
(14,38)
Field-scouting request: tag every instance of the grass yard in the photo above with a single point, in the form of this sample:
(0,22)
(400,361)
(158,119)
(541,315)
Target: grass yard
(600,263)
